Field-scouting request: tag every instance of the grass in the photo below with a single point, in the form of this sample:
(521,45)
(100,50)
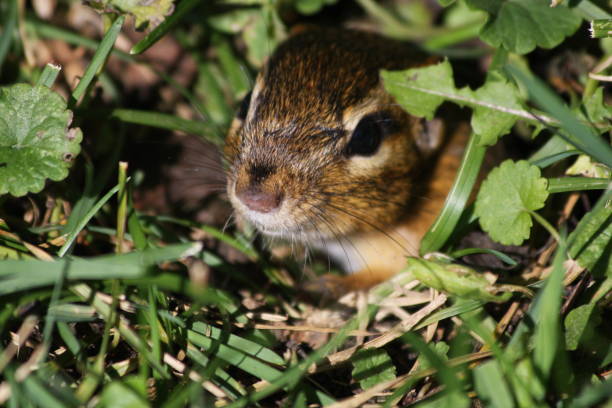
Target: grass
(109,300)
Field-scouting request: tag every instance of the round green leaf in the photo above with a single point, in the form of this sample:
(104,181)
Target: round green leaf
(505,199)
(36,142)
(522,25)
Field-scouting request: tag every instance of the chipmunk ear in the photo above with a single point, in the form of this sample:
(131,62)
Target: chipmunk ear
(428,134)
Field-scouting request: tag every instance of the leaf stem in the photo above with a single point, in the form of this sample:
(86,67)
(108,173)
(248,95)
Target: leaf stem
(122,197)
(546,225)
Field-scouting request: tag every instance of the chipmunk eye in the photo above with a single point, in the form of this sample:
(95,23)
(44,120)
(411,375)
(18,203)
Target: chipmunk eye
(368,135)
(244,106)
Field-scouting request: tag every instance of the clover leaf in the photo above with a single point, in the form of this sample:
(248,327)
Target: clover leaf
(36,142)
(521,25)
(420,91)
(506,199)
(147,14)
(372,366)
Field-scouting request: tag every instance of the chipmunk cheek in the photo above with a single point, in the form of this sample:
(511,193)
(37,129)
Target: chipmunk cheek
(367,166)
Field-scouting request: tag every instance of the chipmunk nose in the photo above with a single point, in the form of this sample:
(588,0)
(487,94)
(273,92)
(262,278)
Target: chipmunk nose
(259,200)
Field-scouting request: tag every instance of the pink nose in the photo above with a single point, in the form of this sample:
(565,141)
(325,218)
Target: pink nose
(259,200)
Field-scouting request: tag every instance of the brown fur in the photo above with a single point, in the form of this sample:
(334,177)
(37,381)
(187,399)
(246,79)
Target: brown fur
(313,89)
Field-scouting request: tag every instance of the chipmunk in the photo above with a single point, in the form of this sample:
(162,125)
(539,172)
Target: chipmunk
(320,153)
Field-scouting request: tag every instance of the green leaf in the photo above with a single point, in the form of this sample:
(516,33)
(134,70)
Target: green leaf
(490,124)
(591,240)
(232,21)
(420,91)
(596,109)
(121,395)
(453,395)
(580,325)
(506,198)
(182,9)
(491,386)
(36,142)
(261,35)
(455,279)
(575,132)
(490,6)
(372,366)
(601,28)
(585,166)
(441,349)
(147,14)
(309,7)
(547,336)
(521,25)
(594,395)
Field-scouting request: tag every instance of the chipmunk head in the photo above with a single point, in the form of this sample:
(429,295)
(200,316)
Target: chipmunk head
(318,149)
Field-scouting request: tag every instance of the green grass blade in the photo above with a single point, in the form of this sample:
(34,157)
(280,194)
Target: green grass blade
(565,184)
(237,357)
(469,251)
(170,122)
(227,382)
(576,132)
(594,395)
(72,312)
(462,306)
(49,75)
(233,68)
(137,233)
(154,325)
(84,220)
(491,386)
(589,224)
(40,393)
(133,339)
(248,346)
(181,10)
(457,198)
(98,59)
(72,343)
(295,373)
(548,160)
(446,374)
(8,27)
(591,11)
(214,232)
(554,145)
(45,30)
(16,275)
(548,329)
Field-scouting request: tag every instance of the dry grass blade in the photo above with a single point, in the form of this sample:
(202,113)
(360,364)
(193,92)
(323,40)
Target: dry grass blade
(396,332)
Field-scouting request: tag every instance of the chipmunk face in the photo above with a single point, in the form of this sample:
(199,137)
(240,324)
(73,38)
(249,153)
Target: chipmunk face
(318,149)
